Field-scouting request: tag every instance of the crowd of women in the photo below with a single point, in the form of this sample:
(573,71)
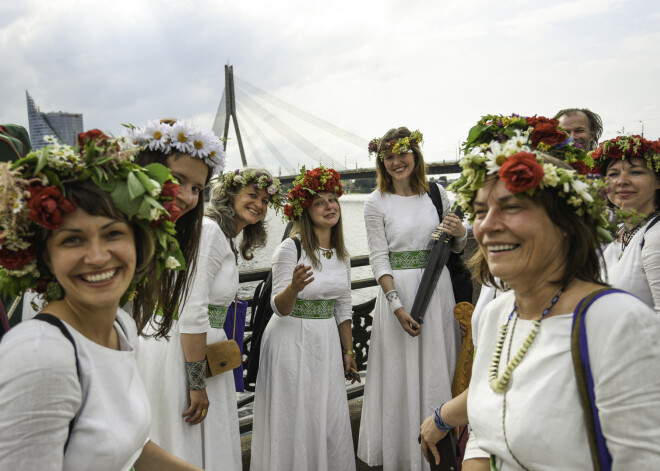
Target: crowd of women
(136,276)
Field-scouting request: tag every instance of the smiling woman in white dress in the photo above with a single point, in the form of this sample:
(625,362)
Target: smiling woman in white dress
(301,419)
(410,367)
(631,164)
(70,392)
(539,226)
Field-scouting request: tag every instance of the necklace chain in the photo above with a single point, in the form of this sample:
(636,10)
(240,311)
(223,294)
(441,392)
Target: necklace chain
(627,236)
(327,253)
(499,383)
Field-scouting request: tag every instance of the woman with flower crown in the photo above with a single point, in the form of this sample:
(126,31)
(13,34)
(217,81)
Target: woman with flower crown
(301,419)
(193,155)
(566,373)
(631,164)
(70,391)
(410,366)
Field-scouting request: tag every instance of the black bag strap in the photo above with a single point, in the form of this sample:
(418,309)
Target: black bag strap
(55,321)
(434,193)
(649,226)
(298,247)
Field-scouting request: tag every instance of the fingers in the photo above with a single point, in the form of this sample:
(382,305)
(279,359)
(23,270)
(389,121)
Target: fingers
(436,453)
(409,324)
(452,226)
(302,276)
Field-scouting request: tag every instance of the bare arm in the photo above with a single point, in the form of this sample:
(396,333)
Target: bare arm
(154,458)
(346,339)
(454,413)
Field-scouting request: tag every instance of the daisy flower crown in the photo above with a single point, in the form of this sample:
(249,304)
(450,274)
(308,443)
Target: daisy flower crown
(626,147)
(403,145)
(543,134)
(526,173)
(239,179)
(32,197)
(306,186)
(181,137)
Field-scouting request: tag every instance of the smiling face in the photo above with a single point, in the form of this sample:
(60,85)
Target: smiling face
(191,174)
(325,211)
(250,206)
(577,126)
(632,185)
(399,166)
(520,243)
(93,258)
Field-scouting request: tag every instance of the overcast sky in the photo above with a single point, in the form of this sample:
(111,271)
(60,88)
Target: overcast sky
(365,66)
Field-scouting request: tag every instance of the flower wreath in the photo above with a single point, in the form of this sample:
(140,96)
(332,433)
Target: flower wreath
(403,145)
(32,194)
(239,179)
(180,137)
(626,147)
(541,133)
(525,172)
(308,184)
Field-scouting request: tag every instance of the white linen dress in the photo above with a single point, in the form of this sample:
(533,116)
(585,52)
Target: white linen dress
(407,378)
(301,419)
(544,420)
(215,443)
(638,269)
(40,393)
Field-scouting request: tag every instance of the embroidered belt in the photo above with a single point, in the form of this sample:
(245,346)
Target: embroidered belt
(217,315)
(313,309)
(409,260)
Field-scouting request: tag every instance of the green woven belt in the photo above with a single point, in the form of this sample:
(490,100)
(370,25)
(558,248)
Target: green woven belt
(409,260)
(313,309)
(217,315)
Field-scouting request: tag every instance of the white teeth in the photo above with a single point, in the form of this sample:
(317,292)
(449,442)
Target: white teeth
(99,276)
(253,211)
(501,248)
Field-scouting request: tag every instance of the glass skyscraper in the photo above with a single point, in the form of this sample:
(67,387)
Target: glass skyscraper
(64,126)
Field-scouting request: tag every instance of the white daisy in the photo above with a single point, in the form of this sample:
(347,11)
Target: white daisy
(201,140)
(156,134)
(172,263)
(181,137)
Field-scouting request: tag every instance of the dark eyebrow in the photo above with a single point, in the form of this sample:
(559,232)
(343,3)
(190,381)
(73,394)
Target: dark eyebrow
(500,200)
(78,231)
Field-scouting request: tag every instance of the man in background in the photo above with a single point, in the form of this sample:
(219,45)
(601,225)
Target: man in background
(583,125)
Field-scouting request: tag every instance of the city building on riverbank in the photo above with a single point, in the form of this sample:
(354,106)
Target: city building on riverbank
(64,126)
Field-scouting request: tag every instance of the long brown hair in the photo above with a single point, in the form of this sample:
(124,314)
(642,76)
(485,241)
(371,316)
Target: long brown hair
(165,294)
(418,181)
(304,227)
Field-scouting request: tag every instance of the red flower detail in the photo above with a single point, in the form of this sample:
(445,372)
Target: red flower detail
(288,211)
(95,135)
(521,172)
(170,189)
(584,169)
(13,260)
(546,131)
(47,206)
(41,286)
(173,211)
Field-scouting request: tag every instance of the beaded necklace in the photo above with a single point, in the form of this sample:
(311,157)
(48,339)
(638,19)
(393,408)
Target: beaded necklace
(627,236)
(499,384)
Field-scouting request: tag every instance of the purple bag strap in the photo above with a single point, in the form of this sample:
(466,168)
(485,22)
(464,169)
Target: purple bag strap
(600,455)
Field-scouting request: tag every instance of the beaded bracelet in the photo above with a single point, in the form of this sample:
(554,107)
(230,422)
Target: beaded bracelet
(196,371)
(392,297)
(442,426)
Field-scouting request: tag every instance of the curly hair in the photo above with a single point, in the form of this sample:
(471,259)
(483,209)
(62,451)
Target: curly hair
(417,179)
(221,210)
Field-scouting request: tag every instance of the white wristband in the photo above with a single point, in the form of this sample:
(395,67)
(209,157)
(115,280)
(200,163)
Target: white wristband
(393,300)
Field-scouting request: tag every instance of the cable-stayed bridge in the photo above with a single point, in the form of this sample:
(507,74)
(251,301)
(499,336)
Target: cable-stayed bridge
(278,134)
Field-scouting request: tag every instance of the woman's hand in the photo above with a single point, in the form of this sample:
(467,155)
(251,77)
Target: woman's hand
(349,363)
(407,322)
(429,436)
(453,226)
(199,406)
(302,276)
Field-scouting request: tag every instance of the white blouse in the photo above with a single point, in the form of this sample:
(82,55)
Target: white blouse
(40,393)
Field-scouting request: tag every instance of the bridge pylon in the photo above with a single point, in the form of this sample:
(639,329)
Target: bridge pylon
(231,111)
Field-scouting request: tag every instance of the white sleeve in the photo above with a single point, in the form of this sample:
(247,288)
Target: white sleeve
(651,263)
(39,395)
(379,252)
(194,315)
(472,449)
(285,259)
(624,354)
(343,305)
